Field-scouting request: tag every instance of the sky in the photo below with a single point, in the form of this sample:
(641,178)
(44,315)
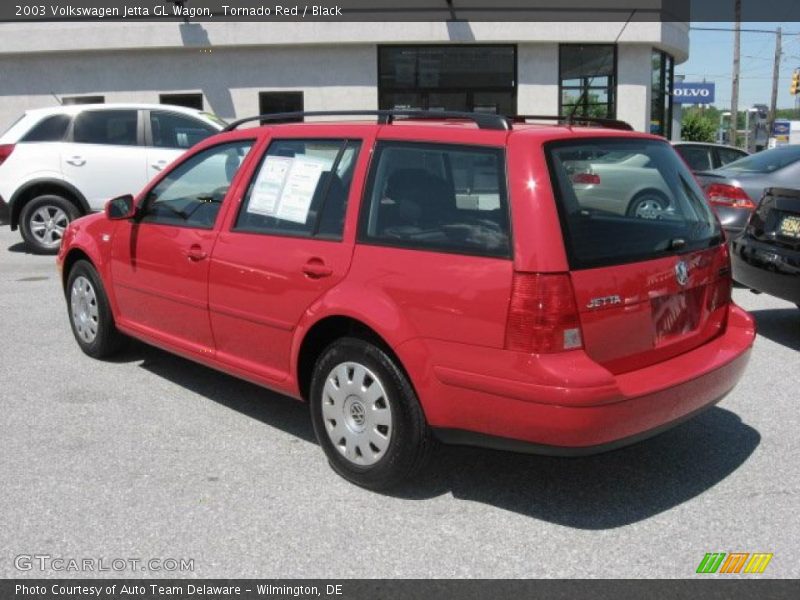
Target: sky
(711,58)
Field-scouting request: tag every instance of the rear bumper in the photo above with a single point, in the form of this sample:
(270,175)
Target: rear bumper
(577,416)
(5,212)
(767,268)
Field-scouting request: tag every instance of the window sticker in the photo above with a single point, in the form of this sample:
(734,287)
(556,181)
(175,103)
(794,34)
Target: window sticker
(269,185)
(298,190)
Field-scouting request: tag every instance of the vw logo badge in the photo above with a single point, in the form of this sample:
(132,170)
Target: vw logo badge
(682,272)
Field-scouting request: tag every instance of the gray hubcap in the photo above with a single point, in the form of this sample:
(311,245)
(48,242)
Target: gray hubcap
(47,224)
(356,412)
(648,208)
(83,305)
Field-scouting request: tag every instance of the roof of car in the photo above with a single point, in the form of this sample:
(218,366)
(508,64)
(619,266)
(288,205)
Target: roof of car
(76,108)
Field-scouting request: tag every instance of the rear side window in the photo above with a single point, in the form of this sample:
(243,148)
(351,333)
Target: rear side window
(109,127)
(626,200)
(170,130)
(697,157)
(49,129)
(728,155)
(437,197)
(300,189)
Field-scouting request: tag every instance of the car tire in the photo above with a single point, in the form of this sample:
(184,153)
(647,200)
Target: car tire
(366,415)
(90,314)
(648,202)
(43,221)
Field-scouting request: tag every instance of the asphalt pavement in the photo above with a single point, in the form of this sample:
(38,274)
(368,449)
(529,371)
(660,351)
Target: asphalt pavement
(152,457)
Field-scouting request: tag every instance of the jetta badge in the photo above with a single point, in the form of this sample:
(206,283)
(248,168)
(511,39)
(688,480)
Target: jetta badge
(682,272)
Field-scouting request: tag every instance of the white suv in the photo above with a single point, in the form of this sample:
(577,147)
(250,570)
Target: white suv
(59,163)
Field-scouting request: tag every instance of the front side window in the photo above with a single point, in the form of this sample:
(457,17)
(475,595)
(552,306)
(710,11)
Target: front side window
(50,129)
(192,193)
(437,197)
(697,157)
(108,127)
(623,201)
(300,189)
(171,130)
(587,75)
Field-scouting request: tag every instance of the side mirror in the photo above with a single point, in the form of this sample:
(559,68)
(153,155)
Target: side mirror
(121,207)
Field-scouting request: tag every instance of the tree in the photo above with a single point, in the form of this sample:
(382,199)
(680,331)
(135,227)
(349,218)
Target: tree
(697,128)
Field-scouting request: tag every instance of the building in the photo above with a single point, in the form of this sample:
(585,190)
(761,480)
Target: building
(237,69)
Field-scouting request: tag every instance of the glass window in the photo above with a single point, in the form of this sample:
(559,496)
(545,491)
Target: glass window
(697,157)
(191,194)
(728,155)
(187,100)
(270,103)
(587,75)
(438,197)
(171,130)
(50,129)
(68,100)
(767,161)
(300,189)
(627,200)
(661,94)
(111,127)
(457,78)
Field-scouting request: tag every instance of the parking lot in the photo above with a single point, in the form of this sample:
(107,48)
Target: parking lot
(152,456)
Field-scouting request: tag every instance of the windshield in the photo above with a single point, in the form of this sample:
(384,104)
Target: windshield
(767,161)
(626,200)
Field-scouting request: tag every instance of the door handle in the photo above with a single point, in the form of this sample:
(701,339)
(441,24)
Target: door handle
(158,165)
(316,269)
(76,161)
(195,253)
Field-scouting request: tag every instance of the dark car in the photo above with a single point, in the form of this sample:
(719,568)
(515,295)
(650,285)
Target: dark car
(735,189)
(701,156)
(766,257)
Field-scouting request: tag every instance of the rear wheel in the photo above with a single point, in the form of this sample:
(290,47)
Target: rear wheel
(649,204)
(366,415)
(43,221)
(89,313)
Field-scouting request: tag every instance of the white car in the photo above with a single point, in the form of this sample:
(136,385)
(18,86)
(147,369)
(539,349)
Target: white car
(59,163)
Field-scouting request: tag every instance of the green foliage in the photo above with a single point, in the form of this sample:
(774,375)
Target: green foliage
(698,128)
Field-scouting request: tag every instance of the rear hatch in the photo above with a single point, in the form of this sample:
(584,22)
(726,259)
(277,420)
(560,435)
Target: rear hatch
(777,219)
(648,263)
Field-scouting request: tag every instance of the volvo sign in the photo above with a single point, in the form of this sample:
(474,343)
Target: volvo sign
(693,93)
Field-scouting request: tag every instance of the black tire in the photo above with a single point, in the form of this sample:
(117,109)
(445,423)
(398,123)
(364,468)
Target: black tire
(409,439)
(36,231)
(653,196)
(107,340)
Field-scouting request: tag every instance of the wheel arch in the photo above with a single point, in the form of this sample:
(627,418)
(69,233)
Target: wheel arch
(324,332)
(45,185)
(73,256)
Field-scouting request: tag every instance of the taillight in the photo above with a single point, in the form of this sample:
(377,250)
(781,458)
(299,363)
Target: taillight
(542,314)
(586,178)
(722,194)
(5,152)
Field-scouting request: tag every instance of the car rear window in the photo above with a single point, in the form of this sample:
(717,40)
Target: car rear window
(49,129)
(627,200)
(767,161)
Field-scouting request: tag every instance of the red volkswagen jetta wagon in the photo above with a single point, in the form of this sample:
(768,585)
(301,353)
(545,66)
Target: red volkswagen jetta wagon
(560,288)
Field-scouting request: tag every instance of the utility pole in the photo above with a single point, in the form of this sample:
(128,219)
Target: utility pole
(737,38)
(773,104)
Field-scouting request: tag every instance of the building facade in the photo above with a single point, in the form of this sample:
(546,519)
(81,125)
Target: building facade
(237,69)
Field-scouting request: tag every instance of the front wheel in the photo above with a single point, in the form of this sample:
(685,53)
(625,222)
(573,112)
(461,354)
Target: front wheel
(43,221)
(90,314)
(366,415)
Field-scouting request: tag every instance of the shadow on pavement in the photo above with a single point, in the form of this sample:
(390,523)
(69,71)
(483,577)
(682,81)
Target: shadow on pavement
(19,248)
(781,325)
(597,492)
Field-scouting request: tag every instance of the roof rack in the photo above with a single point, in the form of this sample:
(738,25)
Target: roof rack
(570,120)
(386,117)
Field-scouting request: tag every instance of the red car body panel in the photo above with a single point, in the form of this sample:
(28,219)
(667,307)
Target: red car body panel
(247,306)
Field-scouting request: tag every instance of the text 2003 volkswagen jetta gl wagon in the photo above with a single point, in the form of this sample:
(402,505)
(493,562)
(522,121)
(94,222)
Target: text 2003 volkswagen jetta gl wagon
(474,279)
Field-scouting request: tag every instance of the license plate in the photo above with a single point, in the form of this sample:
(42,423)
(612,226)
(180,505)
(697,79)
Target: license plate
(790,227)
